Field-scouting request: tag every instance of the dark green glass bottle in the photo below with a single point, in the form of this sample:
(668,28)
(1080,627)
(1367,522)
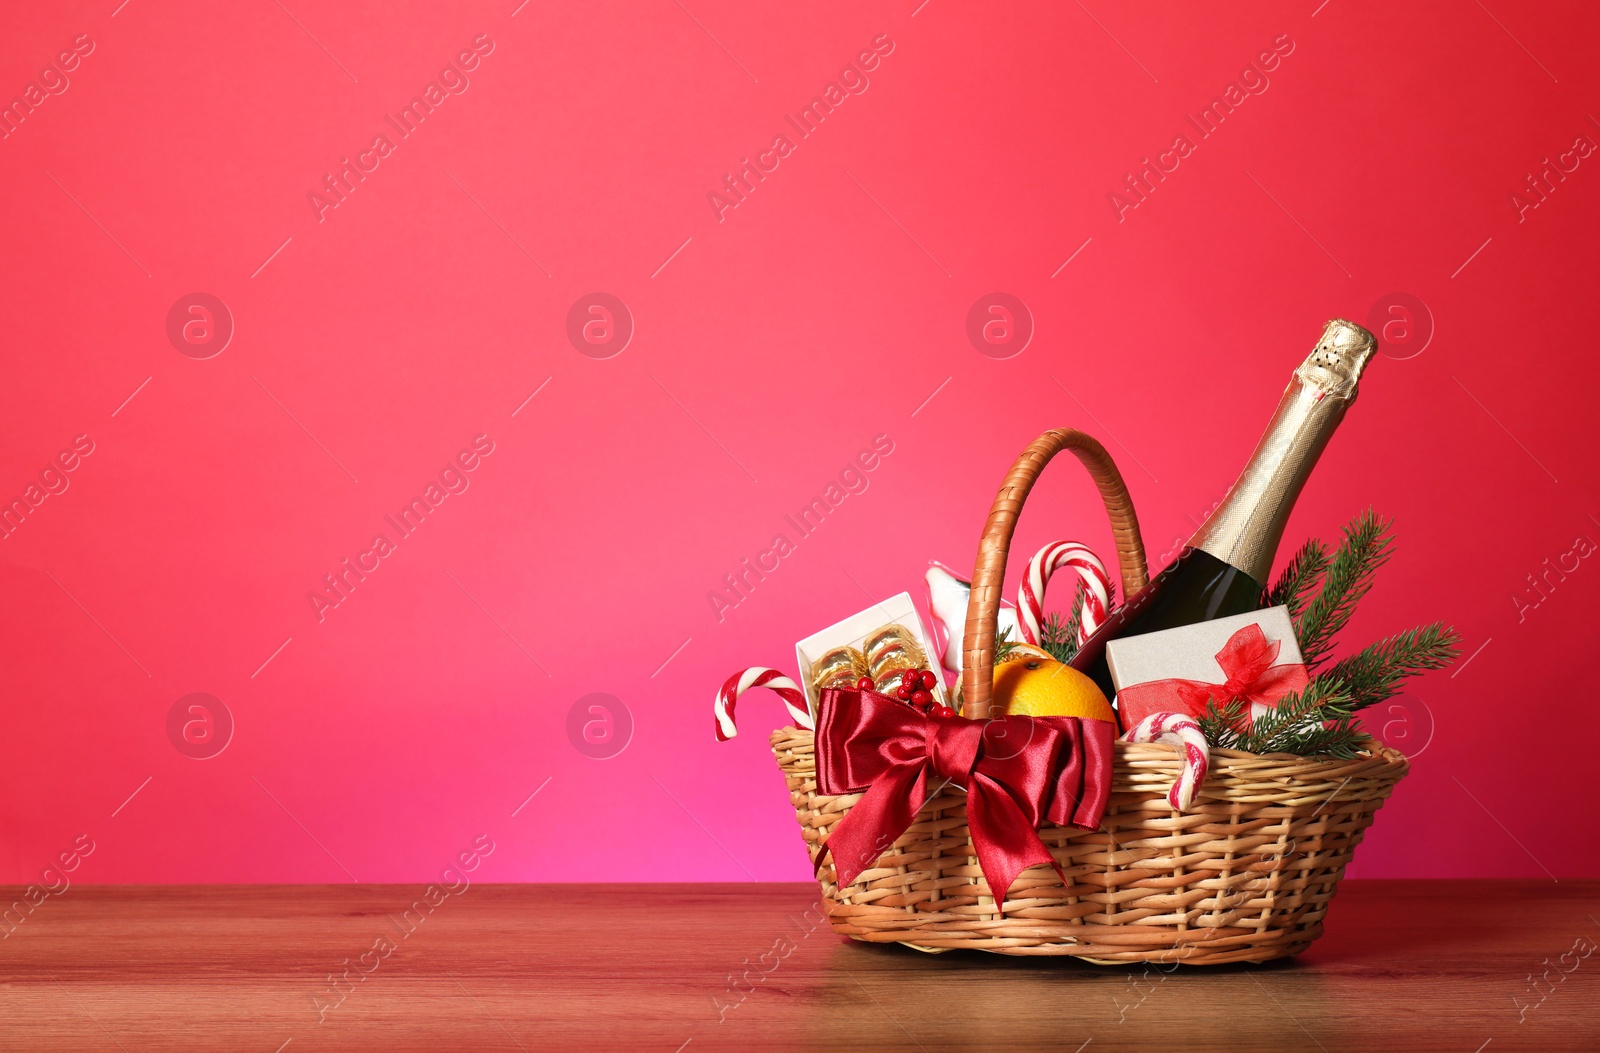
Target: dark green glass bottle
(1224,568)
(1195,587)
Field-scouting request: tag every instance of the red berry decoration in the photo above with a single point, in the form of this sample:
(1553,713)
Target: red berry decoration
(903,694)
(942,710)
(929,680)
(910,679)
(921,699)
(865,684)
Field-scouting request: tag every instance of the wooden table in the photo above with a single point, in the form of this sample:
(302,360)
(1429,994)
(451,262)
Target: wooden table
(1460,966)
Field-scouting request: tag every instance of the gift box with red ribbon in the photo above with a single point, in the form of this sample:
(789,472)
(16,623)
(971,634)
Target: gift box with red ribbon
(1251,658)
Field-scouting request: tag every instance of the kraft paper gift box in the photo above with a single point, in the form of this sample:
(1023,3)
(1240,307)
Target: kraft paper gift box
(1253,657)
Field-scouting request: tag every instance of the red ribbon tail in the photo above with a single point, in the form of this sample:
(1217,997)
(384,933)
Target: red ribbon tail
(876,822)
(822,857)
(1004,841)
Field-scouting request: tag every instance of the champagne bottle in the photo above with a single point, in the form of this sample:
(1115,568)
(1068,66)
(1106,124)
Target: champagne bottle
(1224,568)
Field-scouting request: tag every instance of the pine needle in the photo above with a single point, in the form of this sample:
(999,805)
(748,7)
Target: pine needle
(1220,724)
(1298,578)
(1376,672)
(1060,636)
(1315,722)
(1366,547)
(1003,646)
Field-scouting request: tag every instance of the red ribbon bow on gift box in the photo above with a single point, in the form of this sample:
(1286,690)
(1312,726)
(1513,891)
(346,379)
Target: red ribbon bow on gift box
(1019,772)
(1247,664)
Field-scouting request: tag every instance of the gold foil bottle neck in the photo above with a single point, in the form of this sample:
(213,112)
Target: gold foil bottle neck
(1246,528)
(1335,364)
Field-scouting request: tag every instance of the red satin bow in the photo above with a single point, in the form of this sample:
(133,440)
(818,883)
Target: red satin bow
(1019,772)
(1246,661)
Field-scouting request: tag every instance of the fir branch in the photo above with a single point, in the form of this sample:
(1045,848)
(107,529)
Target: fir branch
(1315,722)
(1220,726)
(1060,637)
(1376,672)
(1298,578)
(1290,711)
(1279,729)
(1320,721)
(1003,646)
(1366,547)
(1339,737)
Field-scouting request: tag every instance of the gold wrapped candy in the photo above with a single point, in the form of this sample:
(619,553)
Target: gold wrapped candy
(890,651)
(841,667)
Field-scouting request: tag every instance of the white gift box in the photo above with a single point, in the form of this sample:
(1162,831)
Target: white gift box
(853,632)
(1189,652)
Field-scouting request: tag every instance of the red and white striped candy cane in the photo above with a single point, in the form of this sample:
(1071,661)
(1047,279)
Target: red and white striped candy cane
(1045,562)
(758,676)
(1181,730)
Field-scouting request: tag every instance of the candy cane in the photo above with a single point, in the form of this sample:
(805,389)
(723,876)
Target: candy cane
(1181,730)
(1096,594)
(758,676)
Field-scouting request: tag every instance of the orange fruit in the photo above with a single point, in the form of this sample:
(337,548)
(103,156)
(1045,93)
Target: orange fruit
(1043,687)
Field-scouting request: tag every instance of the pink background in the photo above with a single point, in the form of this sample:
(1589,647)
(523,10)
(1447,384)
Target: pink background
(769,347)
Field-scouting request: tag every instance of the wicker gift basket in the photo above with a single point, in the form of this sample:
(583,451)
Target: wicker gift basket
(1244,875)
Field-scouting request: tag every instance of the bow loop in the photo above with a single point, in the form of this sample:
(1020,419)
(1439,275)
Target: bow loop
(1247,654)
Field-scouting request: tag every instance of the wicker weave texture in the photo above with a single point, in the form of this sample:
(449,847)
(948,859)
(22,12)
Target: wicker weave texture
(1244,876)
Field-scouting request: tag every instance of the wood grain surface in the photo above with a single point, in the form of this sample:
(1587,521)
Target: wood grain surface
(1462,966)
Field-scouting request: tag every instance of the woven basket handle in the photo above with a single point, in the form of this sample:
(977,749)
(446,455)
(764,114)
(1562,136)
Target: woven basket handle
(988,576)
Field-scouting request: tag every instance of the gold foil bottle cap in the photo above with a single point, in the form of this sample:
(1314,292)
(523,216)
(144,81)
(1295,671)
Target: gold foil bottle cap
(1245,529)
(1335,364)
